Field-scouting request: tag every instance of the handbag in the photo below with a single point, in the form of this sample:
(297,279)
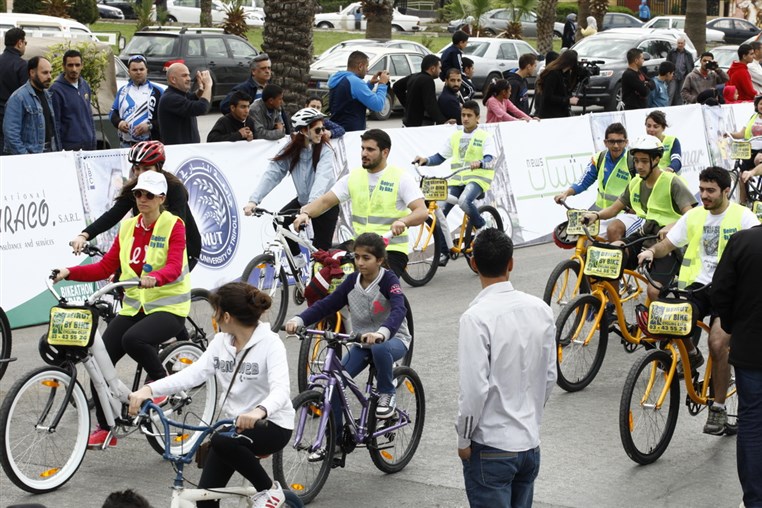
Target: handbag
(203,449)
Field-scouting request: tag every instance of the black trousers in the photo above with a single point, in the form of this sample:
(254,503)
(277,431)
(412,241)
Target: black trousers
(323,226)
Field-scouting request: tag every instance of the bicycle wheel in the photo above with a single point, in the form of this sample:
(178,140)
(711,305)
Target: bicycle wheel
(200,321)
(392,451)
(194,406)
(564,284)
(35,458)
(312,352)
(581,340)
(408,358)
(646,426)
(492,220)
(5,342)
(260,272)
(425,249)
(291,466)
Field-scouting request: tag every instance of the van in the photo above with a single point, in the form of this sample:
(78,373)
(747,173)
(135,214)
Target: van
(37,25)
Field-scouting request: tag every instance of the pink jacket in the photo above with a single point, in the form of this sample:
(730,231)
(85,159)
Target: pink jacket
(503,111)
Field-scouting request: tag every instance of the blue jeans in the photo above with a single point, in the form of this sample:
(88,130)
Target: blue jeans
(466,195)
(496,477)
(749,440)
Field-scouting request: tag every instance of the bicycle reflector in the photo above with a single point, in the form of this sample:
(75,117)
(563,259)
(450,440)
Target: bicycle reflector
(562,239)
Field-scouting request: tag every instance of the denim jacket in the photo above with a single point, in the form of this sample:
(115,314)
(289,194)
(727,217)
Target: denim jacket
(24,122)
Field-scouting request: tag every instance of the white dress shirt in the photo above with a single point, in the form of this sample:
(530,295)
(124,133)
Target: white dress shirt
(507,367)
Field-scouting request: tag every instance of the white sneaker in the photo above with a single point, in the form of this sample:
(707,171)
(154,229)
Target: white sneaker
(386,406)
(273,498)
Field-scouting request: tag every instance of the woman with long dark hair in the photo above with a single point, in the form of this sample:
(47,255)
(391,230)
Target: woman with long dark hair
(499,106)
(555,86)
(308,157)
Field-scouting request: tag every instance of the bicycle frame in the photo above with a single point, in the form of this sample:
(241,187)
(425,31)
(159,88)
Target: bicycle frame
(606,292)
(278,248)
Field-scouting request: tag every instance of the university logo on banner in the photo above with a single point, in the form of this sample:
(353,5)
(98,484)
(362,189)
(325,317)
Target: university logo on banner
(214,207)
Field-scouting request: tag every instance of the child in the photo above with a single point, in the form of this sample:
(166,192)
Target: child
(377,310)
(730,94)
(332,129)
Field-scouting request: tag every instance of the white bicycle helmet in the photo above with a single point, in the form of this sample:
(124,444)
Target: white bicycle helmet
(649,145)
(305,117)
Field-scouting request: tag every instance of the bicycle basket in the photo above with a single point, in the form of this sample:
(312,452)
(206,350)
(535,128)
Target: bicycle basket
(72,326)
(575,224)
(434,189)
(672,318)
(740,150)
(756,207)
(604,261)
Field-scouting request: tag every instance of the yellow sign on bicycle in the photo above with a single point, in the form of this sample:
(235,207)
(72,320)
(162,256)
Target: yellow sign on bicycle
(574,226)
(71,327)
(670,318)
(740,150)
(434,189)
(604,263)
(757,209)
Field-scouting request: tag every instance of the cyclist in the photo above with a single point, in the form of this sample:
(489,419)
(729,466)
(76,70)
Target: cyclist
(377,310)
(469,145)
(309,158)
(146,156)
(706,230)
(249,362)
(752,166)
(383,198)
(672,160)
(618,170)
(659,197)
(150,248)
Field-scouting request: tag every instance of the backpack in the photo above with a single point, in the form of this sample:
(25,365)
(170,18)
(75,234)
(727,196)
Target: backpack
(519,90)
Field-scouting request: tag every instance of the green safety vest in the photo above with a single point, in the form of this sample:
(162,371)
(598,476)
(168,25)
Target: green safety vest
(695,220)
(375,213)
(474,152)
(666,158)
(617,182)
(659,202)
(174,297)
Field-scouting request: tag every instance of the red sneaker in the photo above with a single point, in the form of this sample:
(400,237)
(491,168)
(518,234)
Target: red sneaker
(98,438)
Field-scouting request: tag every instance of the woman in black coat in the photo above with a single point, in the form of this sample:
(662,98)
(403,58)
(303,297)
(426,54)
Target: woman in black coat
(556,85)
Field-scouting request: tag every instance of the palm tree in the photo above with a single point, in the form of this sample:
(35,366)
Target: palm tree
(206,12)
(546,15)
(584,12)
(287,39)
(378,14)
(520,9)
(598,9)
(695,23)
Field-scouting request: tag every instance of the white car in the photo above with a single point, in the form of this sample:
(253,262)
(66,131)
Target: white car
(189,11)
(678,22)
(345,20)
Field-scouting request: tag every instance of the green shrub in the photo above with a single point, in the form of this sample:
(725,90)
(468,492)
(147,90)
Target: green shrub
(94,63)
(620,8)
(563,9)
(84,11)
(332,5)
(3,7)
(28,6)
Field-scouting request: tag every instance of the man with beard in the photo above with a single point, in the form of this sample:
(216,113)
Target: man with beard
(71,105)
(29,125)
(383,198)
(135,109)
(178,107)
(706,231)
(450,101)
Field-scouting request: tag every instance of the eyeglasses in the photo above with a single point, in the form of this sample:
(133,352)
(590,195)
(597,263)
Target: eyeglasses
(616,141)
(136,58)
(318,130)
(138,193)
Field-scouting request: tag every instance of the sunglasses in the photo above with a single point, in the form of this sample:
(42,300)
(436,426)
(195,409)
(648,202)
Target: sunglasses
(138,193)
(136,58)
(318,130)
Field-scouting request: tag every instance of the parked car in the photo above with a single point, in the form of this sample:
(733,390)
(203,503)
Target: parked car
(620,20)
(736,30)
(109,12)
(495,21)
(226,56)
(611,48)
(345,20)
(125,6)
(189,11)
(492,57)
(723,55)
(37,25)
(359,44)
(399,63)
(678,23)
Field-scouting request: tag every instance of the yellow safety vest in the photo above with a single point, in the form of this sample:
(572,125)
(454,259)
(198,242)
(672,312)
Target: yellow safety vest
(668,142)
(474,152)
(617,182)
(375,213)
(695,220)
(174,297)
(747,132)
(659,202)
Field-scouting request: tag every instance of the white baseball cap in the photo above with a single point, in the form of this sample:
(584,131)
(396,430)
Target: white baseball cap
(153,182)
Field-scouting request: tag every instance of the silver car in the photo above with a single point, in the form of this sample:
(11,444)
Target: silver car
(495,21)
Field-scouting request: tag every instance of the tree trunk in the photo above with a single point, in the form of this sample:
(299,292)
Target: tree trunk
(378,14)
(288,41)
(695,23)
(598,9)
(206,13)
(584,12)
(546,15)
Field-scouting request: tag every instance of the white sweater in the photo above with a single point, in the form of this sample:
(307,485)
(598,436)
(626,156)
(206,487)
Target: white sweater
(262,380)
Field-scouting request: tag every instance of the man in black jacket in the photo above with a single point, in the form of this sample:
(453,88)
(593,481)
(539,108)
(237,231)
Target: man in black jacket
(737,300)
(178,107)
(236,125)
(635,84)
(14,70)
(417,93)
(450,100)
(518,79)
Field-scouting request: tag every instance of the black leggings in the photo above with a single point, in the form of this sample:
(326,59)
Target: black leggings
(228,455)
(138,337)
(322,226)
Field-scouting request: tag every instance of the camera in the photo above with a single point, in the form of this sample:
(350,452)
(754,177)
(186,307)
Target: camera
(712,66)
(588,68)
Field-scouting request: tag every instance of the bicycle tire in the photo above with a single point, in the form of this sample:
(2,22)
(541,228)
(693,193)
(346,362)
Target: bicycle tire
(200,323)
(196,409)
(290,464)
(492,219)
(48,459)
(558,299)
(260,272)
(577,364)
(312,354)
(408,358)
(410,397)
(423,260)
(638,415)
(5,342)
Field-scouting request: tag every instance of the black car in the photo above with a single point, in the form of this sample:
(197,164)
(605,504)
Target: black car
(226,56)
(620,20)
(123,5)
(109,12)
(736,30)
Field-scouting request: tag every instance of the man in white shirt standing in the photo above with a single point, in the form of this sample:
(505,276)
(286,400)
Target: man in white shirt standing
(755,66)
(507,365)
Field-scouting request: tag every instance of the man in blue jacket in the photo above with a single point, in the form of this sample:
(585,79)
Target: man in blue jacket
(349,95)
(71,105)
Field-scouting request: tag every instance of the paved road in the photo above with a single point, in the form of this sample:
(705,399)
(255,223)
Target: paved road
(583,463)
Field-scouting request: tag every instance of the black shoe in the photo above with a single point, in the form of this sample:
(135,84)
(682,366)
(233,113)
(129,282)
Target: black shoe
(443,259)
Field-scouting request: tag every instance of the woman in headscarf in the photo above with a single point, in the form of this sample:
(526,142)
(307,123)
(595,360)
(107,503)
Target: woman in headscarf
(570,29)
(592,27)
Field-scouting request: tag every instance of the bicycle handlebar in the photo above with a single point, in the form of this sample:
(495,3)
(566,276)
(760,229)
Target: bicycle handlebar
(93,251)
(464,167)
(330,336)
(687,293)
(95,296)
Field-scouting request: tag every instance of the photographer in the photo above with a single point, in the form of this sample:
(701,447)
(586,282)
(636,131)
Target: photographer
(635,83)
(555,86)
(706,77)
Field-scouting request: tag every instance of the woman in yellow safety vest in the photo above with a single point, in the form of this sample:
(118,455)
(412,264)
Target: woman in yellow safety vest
(150,248)
(656,122)
(752,166)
